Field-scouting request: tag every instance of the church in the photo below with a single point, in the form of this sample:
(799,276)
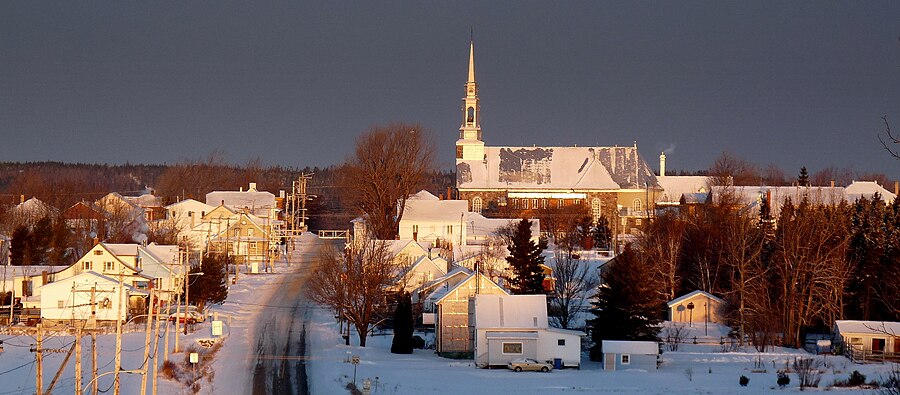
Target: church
(613,182)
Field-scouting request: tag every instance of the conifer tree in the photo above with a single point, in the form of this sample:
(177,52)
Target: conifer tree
(601,234)
(803,179)
(19,246)
(525,260)
(627,308)
(403,326)
(41,238)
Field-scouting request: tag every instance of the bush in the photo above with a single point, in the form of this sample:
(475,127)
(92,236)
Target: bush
(783,379)
(856,379)
(744,381)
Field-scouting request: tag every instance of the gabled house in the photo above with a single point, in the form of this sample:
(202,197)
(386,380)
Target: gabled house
(870,341)
(162,263)
(186,215)
(259,203)
(630,355)
(90,297)
(109,260)
(245,238)
(454,334)
(420,273)
(698,306)
(509,327)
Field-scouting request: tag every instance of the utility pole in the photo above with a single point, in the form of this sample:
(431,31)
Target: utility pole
(178,299)
(39,360)
(94,361)
(147,343)
(117,384)
(156,349)
(77,360)
(187,287)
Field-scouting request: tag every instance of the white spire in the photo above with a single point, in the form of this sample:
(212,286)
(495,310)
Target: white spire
(471,62)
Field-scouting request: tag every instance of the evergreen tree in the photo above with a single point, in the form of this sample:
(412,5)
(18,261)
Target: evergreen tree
(803,179)
(627,306)
(60,252)
(41,238)
(403,326)
(211,286)
(525,260)
(601,234)
(19,246)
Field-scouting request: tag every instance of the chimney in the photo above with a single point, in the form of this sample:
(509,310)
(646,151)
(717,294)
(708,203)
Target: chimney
(96,240)
(832,183)
(44,277)
(281,193)
(241,189)
(449,196)
(252,187)
(21,199)
(662,164)
(896,187)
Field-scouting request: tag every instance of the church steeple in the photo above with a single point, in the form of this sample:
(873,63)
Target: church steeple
(470,146)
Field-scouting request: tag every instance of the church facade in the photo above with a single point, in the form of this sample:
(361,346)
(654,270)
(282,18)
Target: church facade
(613,182)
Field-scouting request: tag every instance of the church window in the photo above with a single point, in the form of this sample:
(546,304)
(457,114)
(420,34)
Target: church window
(470,115)
(534,203)
(525,204)
(595,209)
(637,206)
(543,203)
(476,204)
(576,201)
(459,152)
(559,203)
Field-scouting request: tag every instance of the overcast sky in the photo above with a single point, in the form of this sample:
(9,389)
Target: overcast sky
(790,83)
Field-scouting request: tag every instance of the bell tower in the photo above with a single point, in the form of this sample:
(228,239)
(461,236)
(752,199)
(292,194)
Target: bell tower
(470,146)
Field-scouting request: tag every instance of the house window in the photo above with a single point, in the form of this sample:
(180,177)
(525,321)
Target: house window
(624,221)
(250,232)
(190,214)
(512,348)
(878,345)
(637,221)
(626,359)
(98,252)
(595,209)
(88,265)
(449,229)
(237,233)
(105,304)
(476,204)
(252,245)
(108,266)
(636,205)
(60,304)
(561,342)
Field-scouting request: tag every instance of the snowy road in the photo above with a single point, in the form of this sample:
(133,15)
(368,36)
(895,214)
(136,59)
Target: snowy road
(279,338)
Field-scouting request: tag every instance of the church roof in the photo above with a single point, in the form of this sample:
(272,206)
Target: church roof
(557,168)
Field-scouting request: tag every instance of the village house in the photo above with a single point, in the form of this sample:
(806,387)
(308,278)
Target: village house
(509,327)
(245,238)
(89,296)
(259,203)
(187,215)
(698,306)
(452,305)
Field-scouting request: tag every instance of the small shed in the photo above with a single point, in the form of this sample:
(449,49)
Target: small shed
(868,340)
(698,306)
(627,354)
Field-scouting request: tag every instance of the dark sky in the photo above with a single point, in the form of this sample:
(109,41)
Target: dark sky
(790,83)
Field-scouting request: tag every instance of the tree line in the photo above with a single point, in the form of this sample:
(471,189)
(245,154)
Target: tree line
(782,276)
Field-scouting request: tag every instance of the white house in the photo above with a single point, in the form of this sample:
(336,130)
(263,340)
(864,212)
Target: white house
(88,296)
(420,273)
(868,340)
(255,202)
(508,327)
(186,215)
(162,263)
(698,306)
(625,355)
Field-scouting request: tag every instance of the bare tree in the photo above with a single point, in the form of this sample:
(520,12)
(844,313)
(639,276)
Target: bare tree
(391,163)
(889,138)
(742,253)
(354,283)
(661,246)
(573,284)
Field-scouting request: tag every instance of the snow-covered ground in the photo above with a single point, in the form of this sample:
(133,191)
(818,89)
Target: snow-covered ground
(694,369)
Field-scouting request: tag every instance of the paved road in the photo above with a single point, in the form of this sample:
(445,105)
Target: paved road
(280,334)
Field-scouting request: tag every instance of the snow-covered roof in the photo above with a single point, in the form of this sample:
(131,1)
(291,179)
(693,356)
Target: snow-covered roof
(512,335)
(424,209)
(441,293)
(630,347)
(145,200)
(511,311)
(873,327)
(32,206)
(685,297)
(191,202)
(250,198)
(165,254)
(751,196)
(90,278)
(556,168)
(694,198)
(868,189)
(122,249)
(676,186)
(423,195)
(32,270)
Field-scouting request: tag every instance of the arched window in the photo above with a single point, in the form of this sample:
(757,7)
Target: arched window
(595,209)
(476,204)
(636,206)
(470,114)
